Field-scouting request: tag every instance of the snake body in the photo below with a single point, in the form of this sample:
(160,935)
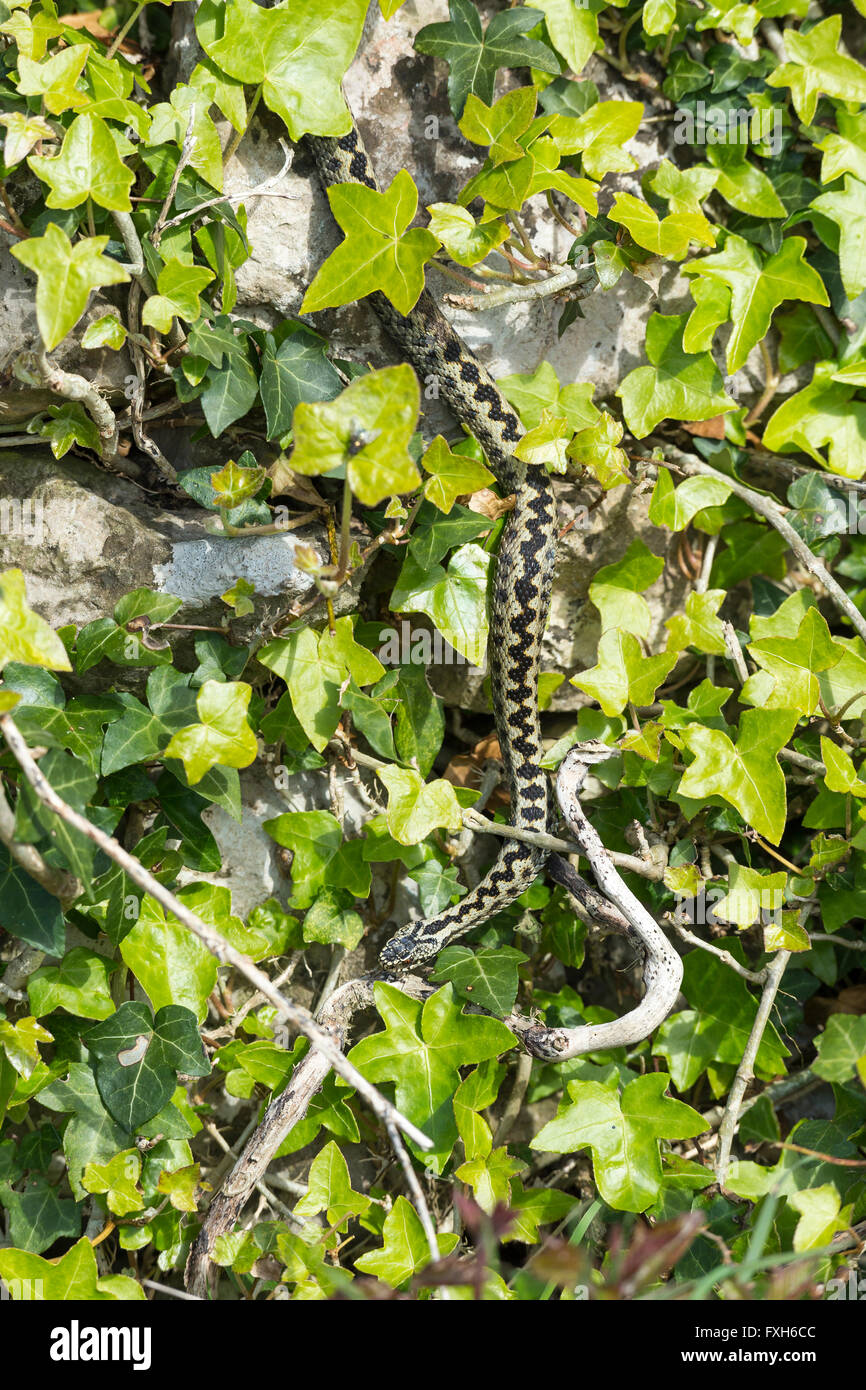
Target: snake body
(520,598)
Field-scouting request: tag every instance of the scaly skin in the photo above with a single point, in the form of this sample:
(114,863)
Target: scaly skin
(521,589)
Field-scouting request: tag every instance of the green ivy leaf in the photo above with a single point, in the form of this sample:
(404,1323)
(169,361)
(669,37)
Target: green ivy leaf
(420,1050)
(118,1181)
(678,385)
(747,775)
(623,674)
(848,210)
(451,475)
(329,1190)
(88,166)
(485,975)
(223,735)
(455,599)
(380,251)
(71,1278)
(297,53)
(756,290)
(416,807)
(405,1250)
(816,66)
(623,1134)
(179,287)
(66,275)
(367,428)
(80,984)
(715,1030)
(474,56)
(54,79)
(841,1049)
(296,370)
(24,636)
(171,964)
(139,1056)
(618,590)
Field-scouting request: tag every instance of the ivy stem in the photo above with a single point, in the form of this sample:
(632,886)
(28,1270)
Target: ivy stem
(290,1013)
(238,135)
(122,32)
(745,1071)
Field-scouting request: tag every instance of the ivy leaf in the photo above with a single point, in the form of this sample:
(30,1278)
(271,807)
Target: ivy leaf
(171,964)
(486,975)
(223,737)
(820,1217)
(416,807)
(573,30)
(750,893)
(54,79)
(30,912)
(499,125)
(848,210)
(678,385)
(24,636)
(756,291)
(841,1049)
(71,1278)
(330,1190)
(332,920)
(670,236)
(534,1207)
(455,599)
(88,166)
(298,370)
(105,332)
(675,507)
(81,984)
(597,449)
(421,1049)
(66,275)
(466,241)
(844,151)
(793,665)
(187,111)
(699,626)
(452,475)
(816,66)
(840,775)
(90,1135)
(623,674)
(822,413)
(320,855)
(297,53)
(179,287)
(600,136)
(231,383)
(618,589)
(623,1134)
(38,1216)
(475,56)
(139,1056)
(747,775)
(532,393)
(368,428)
(22,133)
(234,483)
(405,1250)
(180,1186)
(716,1029)
(117,1180)
(490,1176)
(380,251)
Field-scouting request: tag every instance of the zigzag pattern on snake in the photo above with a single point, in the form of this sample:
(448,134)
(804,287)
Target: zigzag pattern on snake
(521,590)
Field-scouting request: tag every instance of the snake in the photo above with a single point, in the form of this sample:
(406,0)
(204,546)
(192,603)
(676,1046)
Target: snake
(519,608)
(522,582)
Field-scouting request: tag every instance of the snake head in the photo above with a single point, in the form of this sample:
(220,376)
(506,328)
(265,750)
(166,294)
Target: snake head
(400,951)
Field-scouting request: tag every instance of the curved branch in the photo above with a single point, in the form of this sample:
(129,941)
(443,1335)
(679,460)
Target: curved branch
(663,970)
